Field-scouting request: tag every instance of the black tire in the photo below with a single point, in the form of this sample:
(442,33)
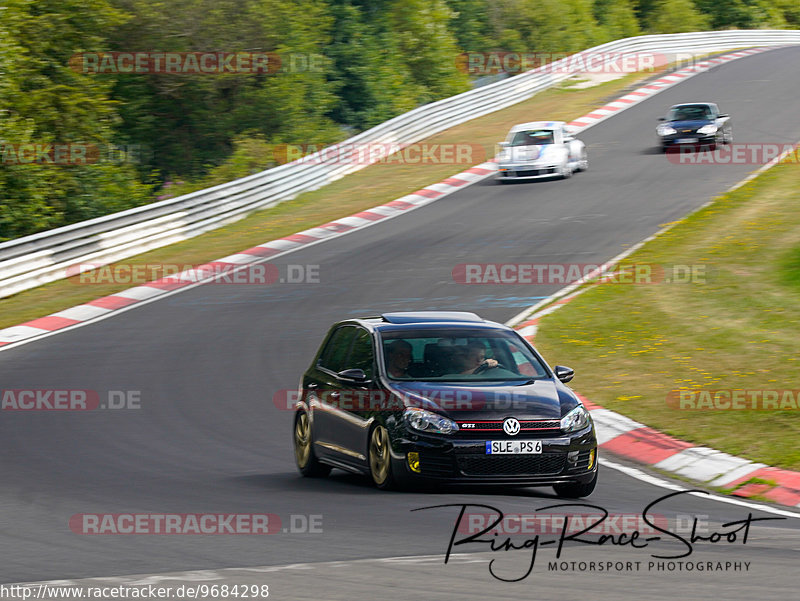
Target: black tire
(379,457)
(728,139)
(304,456)
(583,164)
(573,490)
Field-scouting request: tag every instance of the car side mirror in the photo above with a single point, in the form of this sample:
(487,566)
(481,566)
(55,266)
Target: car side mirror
(503,144)
(721,115)
(353,375)
(662,118)
(563,373)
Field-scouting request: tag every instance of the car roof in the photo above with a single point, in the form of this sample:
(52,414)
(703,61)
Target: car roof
(430,316)
(415,320)
(693,104)
(538,125)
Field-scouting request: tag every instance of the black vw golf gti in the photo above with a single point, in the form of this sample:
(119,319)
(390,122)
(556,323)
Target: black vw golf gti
(417,397)
(697,124)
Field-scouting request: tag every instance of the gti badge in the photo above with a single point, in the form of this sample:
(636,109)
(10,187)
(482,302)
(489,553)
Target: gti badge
(511,426)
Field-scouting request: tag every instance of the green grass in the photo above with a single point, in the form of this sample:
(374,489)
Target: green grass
(632,344)
(369,187)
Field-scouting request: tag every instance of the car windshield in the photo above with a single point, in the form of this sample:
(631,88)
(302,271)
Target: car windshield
(533,137)
(459,355)
(693,112)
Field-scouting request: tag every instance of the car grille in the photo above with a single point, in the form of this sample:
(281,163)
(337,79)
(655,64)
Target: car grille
(529,425)
(491,430)
(546,464)
(531,172)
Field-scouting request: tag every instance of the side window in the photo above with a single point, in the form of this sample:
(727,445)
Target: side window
(523,364)
(361,356)
(335,352)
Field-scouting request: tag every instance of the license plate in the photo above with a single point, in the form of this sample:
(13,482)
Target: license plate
(513,447)
(687,140)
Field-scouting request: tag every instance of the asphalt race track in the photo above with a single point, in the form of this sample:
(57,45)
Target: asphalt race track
(207,362)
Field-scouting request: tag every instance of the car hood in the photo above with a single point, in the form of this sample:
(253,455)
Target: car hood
(693,124)
(541,399)
(516,154)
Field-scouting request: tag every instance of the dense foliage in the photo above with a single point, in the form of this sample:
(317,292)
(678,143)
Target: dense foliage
(347,65)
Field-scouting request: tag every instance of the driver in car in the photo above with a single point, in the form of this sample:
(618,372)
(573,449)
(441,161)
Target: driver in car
(471,357)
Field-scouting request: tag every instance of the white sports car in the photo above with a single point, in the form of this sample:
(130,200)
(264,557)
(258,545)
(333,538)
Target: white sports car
(540,149)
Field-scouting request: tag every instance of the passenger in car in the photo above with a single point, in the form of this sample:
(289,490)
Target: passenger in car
(398,358)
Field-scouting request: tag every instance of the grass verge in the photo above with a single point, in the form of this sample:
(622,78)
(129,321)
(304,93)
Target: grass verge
(735,327)
(367,188)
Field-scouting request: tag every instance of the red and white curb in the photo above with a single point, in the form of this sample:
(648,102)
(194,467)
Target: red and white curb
(107,306)
(624,437)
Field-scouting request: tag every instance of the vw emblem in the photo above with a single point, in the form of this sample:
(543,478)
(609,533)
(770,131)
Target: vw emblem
(511,426)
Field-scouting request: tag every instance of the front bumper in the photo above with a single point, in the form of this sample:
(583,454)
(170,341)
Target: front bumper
(527,171)
(682,139)
(564,458)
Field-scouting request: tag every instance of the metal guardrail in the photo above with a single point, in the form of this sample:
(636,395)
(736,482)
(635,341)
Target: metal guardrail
(40,258)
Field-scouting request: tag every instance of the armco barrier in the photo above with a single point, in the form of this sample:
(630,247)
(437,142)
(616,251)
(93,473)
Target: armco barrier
(34,260)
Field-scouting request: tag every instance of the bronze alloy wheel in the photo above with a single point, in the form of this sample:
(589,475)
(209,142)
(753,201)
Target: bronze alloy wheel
(304,455)
(302,440)
(379,456)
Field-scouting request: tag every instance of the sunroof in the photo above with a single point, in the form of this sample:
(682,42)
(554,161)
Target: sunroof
(430,316)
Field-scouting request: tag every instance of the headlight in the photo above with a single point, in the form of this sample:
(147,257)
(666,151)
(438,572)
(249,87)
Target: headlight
(576,419)
(707,130)
(665,130)
(428,421)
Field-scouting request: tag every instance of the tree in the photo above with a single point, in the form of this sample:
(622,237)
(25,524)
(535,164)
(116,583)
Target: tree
(45,102)
(371,81)
(677,16)
(548,26)
(191,119)
(470,24)
(617,19)
(419,30)
(743,14)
